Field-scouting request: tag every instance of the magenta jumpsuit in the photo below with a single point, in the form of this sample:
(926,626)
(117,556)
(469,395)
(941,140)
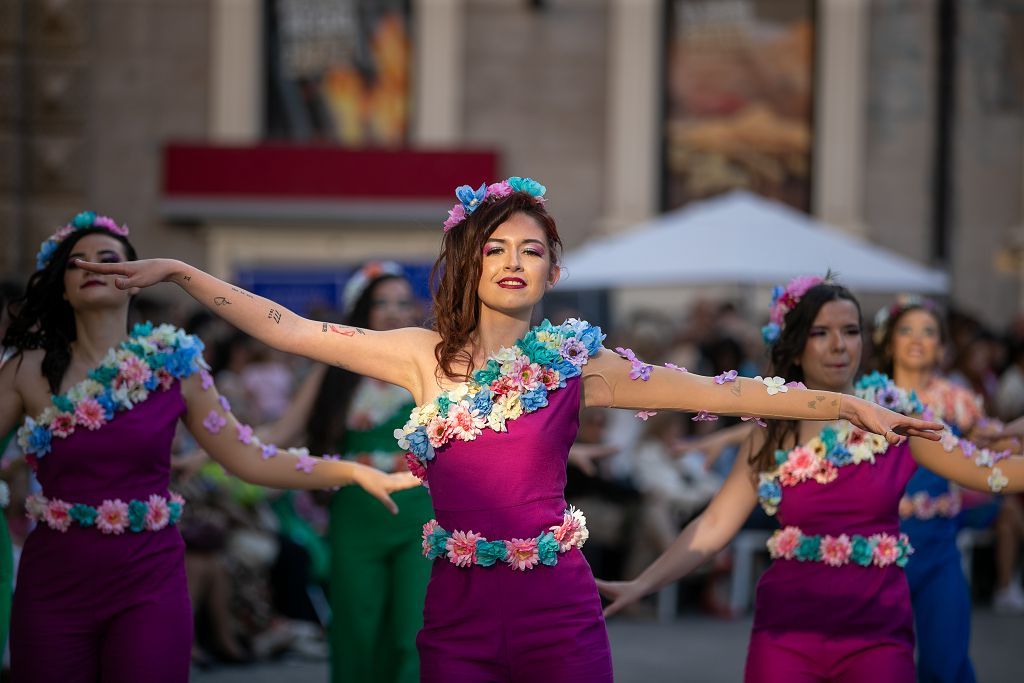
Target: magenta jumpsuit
(496,624)
(844,624)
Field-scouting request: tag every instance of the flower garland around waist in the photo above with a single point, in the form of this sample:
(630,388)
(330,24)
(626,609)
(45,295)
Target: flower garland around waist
(923,506)
(110,516)
(151,358)
(515,381)
(467,548)
(879,550)
(818,460)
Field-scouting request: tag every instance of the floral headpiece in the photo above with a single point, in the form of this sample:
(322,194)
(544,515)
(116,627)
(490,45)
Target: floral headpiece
(360,279)
(784,300)
(470,199)
(83,221)
(902,304)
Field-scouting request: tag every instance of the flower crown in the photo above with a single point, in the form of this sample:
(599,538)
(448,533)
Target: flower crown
(902,304)
(784,300)
(470,199)
(83,221)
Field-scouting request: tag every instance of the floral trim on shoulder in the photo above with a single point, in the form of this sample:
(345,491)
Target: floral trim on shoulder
(819,459)
(515,381)
(152,358)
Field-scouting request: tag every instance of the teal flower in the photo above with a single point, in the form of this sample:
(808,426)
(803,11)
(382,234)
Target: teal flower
(84,220)
(487,374)
(861,551)
(781,456)
(63,404)
(527,185)
(490,552)
(443,404)
(142,329)
(537,351)
(436,543)
(175,509)
(829,438)
(808,549)
(85,515)
(547,549)
(104,374)
(137,515)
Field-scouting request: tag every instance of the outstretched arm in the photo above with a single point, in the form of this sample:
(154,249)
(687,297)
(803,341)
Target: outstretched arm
(614,381)
(233,445)
(388,356)
(702,538)
(961,461)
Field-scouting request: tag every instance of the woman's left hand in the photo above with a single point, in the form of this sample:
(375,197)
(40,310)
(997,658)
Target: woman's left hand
(894,427)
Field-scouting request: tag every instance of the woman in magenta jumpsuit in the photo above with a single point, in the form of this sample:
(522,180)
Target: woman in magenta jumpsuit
(834,606)
(510,597)
(101,592)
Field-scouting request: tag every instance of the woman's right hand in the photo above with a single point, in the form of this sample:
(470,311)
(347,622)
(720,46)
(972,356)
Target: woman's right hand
(622,594)
(144,273)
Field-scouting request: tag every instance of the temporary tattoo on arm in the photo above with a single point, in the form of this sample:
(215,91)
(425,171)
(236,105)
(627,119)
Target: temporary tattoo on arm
(275,315)
(221,301)
(188,278)
(346,331)
(325,327)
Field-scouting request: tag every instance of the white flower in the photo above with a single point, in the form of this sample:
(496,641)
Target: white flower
(496,418)
(423,414)
(5,494)
(949,441)
(997,481)
(35,506)
(984,458)
(776,385)
(458,393)
(506,358)
(512,405)
(400,435)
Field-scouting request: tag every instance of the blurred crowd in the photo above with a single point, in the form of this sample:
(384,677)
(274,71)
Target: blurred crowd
(258,560)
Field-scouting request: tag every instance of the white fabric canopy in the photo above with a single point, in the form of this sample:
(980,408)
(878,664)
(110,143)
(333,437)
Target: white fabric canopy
(745,239)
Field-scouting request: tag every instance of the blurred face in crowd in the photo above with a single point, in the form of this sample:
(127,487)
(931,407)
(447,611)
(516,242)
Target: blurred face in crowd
(517,268)
(84,290)
(916,341)
(831,355)
(392,305)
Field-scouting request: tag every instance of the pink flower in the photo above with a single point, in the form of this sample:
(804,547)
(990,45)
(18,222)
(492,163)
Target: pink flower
(574,351)
(644,414)
(503,385)
(157,514)
(112,517)
(802,463)
(827,473)
(176,498)
(796,385)
(729,376)
(415,466)
(224,403)
(758,421)
(63,425)
(673,366)
(133,370)
(704,416)
(886,549)
(439,430)
(428,531)
(835,550)
(268,450)
(244,433)
(461,547)
(305,463)
(572,532)
(522,553)
(214,422)
(855,437)
(527,375)
(109,223)
(90,414)
(784,542)
(549,377)
(456,215)
(498,190)
(57,515)
(165,378)
(207,380)
(464,425)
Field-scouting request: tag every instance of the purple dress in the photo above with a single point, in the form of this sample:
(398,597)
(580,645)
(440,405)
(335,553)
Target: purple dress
(816,622)
(491,624)
(91,606)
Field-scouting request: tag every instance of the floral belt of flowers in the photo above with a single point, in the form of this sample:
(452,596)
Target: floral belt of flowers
(819,459)
(468,548)
(151,358)
(515,381)
(924,507)
(110,516)
(880,550)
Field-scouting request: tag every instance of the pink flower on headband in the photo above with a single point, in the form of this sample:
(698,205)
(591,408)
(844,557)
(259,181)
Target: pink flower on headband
(456,215)
(499,190)
(110,224)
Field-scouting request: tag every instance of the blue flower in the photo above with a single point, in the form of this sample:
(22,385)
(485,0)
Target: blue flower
(46,250)
(419,444)
(527,185)
(535,399)
(63,404)
(83,514)
(489,552)
(482,402)
(777,291)
(547,549)
(591,337)
(839,456)
(83,220)
(39,440)
(470,198)
(151,382)
(770,491)
(566,370)
(770,333)
(137,515)
(109,405)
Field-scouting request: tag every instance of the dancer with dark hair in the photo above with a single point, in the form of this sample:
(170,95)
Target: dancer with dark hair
(511,597)
(101,592)
(834,605)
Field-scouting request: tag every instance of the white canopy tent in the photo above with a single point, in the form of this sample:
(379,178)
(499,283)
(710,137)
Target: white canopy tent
(740,238)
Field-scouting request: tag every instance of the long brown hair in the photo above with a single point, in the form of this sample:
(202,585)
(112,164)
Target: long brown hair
(785,354)
(454,277)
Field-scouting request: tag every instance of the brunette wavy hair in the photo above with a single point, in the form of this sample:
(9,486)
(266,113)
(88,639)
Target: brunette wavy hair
(785,354)
(43,319)
(454,277)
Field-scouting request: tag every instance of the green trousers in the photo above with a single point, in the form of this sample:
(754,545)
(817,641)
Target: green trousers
(377,587)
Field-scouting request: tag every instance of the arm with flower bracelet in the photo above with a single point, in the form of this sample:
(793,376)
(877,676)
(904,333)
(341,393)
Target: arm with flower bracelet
(234,446)
(623,381)
(963,462)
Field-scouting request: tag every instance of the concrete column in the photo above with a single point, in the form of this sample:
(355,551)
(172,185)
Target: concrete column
(236,71)
(438,53)
(634,96)
(840,109)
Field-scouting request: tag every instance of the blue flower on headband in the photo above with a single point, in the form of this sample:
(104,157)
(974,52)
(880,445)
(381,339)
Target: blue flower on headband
(45,253)
(527,185)
(770,333)
(470,198)
(84,220)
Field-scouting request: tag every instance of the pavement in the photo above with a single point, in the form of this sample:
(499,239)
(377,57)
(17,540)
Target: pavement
(692,649)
